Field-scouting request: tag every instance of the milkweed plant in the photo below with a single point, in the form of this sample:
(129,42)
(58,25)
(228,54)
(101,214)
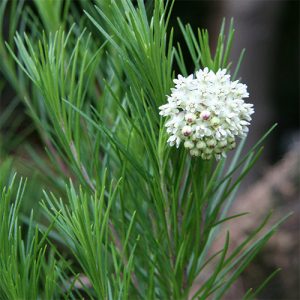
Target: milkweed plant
(136,180)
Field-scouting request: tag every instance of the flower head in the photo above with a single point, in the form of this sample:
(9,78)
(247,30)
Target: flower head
(206,112)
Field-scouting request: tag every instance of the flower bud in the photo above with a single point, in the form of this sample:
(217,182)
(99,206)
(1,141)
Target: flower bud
(218,151)
(195,152)
(232,145)
(208,151)
(201,145)
(211,143)
(186,130)
(205,115)
(190,118)
(189,144)
(231,139)
(215,121)
(222,143)
(206,156)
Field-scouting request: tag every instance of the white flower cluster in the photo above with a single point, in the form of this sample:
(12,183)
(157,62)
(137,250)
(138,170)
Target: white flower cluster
(206,112)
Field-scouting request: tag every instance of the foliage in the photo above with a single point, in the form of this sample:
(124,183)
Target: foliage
(137,219)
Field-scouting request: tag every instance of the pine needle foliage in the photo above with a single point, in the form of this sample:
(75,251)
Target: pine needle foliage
(23,261)
(125,216)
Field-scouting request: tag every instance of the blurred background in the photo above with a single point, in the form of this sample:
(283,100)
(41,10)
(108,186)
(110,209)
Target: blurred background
(269,30)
